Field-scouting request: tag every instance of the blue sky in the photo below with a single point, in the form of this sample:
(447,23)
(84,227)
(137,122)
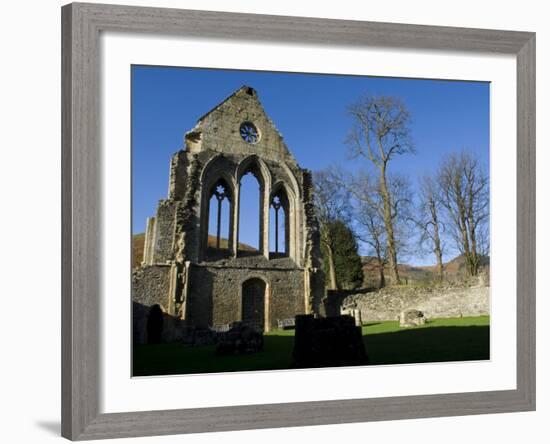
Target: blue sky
(310,112)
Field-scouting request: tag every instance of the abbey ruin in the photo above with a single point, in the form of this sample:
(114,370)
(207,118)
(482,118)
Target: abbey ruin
(207,282)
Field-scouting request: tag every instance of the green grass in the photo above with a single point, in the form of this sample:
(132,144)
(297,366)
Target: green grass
(439,340)
(453,339)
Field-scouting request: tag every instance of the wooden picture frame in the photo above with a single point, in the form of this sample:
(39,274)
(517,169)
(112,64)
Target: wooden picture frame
(81,173)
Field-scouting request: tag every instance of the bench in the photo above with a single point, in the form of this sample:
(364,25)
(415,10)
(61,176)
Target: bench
(285,324)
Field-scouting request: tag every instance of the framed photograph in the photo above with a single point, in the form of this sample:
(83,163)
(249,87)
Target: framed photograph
(286,221)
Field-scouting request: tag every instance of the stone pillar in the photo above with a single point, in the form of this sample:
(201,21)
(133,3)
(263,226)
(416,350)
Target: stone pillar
(162,247)
(234,227)
(231,245)
(286,211)
(172,289)
(185,290)
(178,175)
(295,248)
(149,242)
(267,302)
(264,220)
(307,291)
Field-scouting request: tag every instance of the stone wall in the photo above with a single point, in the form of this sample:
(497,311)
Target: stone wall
(179,165)
(164,231)
(173,328)
(151,284)
(215,293)
(435,302)
(186,233)
(219,129)
(312,247)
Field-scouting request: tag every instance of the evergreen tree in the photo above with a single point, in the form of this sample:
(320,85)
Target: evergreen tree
(347,262)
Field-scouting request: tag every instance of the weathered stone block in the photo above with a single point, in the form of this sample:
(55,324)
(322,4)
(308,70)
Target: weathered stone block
(411,318)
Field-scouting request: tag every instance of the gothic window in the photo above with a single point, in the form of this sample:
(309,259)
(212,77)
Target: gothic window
(249,215)
(219,216)
(278,230)
(249,132)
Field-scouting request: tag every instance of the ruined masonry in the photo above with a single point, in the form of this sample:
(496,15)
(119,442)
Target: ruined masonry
(202,282)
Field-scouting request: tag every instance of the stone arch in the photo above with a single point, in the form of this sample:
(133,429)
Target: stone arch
(292,213)
(216,173)
(155,321)
(257,166)
(280,199)
(255,302)
(296,248)
(218,194)
(293,181)
(218,164)
(253,164)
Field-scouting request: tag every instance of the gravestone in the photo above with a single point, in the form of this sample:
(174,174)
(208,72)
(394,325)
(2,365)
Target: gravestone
(327,342)
(240,338)
(355,313)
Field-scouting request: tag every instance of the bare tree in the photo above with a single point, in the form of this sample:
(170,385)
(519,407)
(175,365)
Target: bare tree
(428,220)
(368,214)
(464,193)
(370,222)
(381,132)
(401,205)
(332,204)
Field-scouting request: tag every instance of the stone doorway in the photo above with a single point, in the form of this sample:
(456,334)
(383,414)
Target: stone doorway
(154,325)
(253,304)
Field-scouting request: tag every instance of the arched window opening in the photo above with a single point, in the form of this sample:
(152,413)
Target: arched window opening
(249,215)
(218,219)
(278,230)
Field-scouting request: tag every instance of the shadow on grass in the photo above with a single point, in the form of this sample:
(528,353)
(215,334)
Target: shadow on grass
(370,324)
(170,359)
(434,344)
(407,346)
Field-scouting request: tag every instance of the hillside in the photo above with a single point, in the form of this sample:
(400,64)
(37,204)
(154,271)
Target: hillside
(138,241)
(455,266)
(455,269)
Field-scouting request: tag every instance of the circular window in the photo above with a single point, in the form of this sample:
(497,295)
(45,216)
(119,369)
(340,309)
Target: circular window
(249,132)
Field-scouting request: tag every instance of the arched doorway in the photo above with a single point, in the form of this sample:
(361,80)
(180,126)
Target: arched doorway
(254,304)
(155,322)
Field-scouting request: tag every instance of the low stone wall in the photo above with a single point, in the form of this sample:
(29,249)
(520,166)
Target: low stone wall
(434,302)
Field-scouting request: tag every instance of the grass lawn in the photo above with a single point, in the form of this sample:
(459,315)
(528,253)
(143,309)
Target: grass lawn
(439,340)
